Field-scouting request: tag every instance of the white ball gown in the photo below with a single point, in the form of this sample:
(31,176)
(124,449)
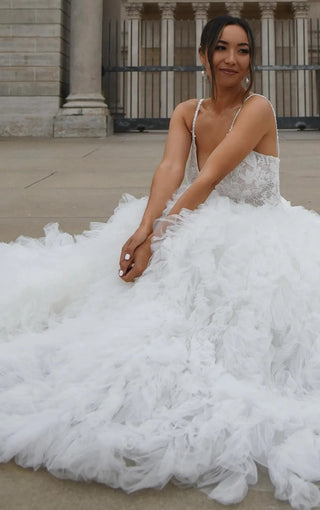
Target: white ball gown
(205,367)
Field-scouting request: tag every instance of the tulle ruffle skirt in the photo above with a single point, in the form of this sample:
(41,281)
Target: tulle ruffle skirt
(206,366)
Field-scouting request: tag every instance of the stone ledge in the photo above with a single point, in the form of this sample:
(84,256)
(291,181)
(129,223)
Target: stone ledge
(83,122)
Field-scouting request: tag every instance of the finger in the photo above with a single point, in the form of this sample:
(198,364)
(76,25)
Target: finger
(127,254)
(126,257)
(130,247)
(124,250)
(126,264)
(126,267)
(132,274)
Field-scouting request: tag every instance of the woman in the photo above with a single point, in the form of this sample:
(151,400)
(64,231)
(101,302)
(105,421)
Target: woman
(209,363)
(226,52)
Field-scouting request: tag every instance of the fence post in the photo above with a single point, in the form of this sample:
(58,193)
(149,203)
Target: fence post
(268,49)
(301,10)
(167,59)
(133,58)
(200,14)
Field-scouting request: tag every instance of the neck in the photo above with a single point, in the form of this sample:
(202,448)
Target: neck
(224,98)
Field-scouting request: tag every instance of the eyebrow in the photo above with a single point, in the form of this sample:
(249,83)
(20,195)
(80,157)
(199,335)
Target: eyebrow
(240,44)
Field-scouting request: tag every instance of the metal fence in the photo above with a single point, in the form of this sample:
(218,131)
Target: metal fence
(150,66)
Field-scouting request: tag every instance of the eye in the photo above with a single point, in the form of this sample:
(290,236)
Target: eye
(220,47)
(244,50)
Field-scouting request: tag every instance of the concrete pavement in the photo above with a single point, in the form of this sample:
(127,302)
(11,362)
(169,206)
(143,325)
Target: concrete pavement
(78,181)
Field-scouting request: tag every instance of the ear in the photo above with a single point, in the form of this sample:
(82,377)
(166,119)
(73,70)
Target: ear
(202,57)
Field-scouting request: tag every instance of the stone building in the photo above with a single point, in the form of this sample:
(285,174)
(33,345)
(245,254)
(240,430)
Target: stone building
(60,72)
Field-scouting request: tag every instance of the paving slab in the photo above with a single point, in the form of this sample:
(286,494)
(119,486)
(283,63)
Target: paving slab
(74,182)
(24,489)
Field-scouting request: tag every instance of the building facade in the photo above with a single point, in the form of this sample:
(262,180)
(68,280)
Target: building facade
(69,67)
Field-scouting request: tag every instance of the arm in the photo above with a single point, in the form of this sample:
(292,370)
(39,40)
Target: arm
(170,172)
(166,180)
(255,121)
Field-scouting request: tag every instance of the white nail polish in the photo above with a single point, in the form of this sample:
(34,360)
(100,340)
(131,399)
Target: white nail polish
(120,272)
(127,256)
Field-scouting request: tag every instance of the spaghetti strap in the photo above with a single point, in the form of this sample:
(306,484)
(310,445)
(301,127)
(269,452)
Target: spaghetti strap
(239,110)
(234,119)
(195,118)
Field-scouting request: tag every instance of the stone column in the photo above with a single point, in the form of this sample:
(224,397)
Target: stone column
(167,59)
(234,8)
(85,112)
(200,15)
(301,11)
(268,49)
(133,58)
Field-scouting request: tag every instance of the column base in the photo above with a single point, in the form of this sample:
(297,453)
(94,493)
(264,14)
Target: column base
(88,100)
(83,122)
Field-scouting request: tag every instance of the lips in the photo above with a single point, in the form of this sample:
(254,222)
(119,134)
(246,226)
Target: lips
(230,72)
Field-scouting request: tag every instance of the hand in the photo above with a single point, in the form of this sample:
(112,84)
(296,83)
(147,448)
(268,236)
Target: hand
(130,246)
(139,261)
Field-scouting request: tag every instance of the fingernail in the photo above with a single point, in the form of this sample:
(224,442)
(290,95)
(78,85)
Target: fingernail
(127,256)
(121,272)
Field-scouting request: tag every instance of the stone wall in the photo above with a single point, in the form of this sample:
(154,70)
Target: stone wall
(34,52)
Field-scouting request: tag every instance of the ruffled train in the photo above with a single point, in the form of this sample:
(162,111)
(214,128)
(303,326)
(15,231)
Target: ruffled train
(206,366)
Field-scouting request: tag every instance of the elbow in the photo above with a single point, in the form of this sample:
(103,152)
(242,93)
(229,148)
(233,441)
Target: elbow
(169,172)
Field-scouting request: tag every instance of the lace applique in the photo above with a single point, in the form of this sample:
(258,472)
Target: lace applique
(255,180)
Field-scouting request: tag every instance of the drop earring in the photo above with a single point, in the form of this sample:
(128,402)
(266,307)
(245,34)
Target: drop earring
(203,72)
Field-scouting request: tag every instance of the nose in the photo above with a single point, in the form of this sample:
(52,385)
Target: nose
(230,56)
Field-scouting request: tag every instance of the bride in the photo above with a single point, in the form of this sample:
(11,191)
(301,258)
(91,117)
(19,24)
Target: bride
(207,363)
(227,53)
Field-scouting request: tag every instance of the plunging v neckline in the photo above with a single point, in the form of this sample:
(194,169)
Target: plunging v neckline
(195,149)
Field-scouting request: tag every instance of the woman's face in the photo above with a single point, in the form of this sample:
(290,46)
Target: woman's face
(231,57)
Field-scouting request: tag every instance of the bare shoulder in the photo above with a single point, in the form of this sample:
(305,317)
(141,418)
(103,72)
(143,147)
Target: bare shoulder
(186,111)
(187,106)
(257,122)
(259,107)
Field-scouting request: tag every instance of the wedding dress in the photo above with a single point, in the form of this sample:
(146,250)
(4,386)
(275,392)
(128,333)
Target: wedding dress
(205,367)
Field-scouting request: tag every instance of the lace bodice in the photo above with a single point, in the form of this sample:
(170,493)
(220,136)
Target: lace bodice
(255,180)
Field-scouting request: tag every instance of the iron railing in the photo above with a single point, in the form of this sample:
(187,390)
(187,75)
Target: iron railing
(148,70)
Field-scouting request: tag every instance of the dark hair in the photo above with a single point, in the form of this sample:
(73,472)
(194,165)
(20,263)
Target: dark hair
(211,34)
